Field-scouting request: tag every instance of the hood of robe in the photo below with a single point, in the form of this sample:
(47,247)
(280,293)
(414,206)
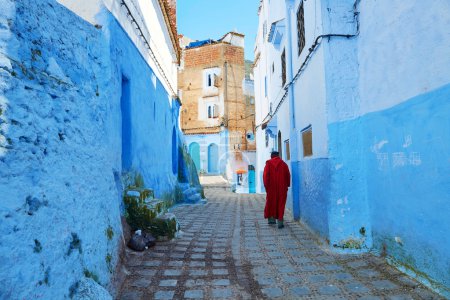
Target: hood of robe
(276,161)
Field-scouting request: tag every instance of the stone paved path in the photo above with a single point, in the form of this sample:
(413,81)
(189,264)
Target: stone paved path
(228,251)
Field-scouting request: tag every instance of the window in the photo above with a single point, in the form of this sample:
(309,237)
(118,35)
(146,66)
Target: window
(209,80)
(287,150)
(300,29)
(307,141)
(213,111)
(283,67)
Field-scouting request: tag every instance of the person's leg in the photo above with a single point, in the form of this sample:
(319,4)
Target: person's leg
(272,220)
(280,224)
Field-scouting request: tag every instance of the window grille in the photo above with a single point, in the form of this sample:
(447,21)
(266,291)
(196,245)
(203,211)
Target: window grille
(300,29)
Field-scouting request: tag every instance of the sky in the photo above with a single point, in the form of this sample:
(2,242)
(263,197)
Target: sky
(204,19)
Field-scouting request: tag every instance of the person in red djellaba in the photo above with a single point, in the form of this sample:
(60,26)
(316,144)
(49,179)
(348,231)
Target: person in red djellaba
(277,180)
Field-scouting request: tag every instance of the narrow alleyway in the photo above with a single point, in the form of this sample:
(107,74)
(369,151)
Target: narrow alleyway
(228,251)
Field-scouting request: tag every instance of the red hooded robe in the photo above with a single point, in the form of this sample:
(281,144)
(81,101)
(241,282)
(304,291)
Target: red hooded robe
(277,179)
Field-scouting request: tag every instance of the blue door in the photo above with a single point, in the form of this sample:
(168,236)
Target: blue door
(251,179)
(194,151)
(213,159)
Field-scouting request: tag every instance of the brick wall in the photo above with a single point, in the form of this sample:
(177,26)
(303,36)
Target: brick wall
(237,115)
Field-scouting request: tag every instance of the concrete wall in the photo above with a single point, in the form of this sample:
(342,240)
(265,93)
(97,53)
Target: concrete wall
(61,145)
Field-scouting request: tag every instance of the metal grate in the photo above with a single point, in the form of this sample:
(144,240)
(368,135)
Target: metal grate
(300,29)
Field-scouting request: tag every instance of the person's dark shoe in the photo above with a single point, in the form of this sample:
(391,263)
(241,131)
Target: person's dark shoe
(272,221)
(280,224)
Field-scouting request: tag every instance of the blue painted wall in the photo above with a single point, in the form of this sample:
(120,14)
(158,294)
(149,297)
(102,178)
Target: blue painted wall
(400,165)
(314,194)
(407,149)
(61,149)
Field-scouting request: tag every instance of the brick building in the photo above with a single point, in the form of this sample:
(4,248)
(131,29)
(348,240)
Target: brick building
(217,117)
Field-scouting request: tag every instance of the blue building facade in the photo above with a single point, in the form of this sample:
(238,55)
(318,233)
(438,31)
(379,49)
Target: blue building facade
(369,119)
(80,107)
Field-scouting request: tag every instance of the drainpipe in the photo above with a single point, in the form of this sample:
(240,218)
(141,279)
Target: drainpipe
(295,186)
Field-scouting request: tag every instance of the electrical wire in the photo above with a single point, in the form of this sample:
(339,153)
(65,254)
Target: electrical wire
(152,54)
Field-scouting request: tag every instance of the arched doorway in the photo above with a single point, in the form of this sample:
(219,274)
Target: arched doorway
(194,151)
(213,158)
(280,144)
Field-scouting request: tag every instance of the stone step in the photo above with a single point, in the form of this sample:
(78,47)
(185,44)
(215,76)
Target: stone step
(195,198)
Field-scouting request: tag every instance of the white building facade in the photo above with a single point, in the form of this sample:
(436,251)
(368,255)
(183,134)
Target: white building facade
(358,92)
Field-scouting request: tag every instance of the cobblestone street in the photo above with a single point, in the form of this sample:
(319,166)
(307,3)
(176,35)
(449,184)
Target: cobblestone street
(228,251)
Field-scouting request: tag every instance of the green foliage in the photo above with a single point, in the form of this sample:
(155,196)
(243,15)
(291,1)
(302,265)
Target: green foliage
(139,181)
(178,194)
(144,216)
(202,192)
(37,246)
(75,244)
(108,260)
(138,216)
(350,244)
(109,232)
(92,275)
(163,228)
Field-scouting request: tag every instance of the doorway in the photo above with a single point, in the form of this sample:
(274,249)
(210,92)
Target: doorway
(125,107)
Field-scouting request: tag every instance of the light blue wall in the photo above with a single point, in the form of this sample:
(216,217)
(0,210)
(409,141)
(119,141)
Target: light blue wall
(403,172)
(314,193)
(409,183)
(205,141)
(152,120)
(382,184)
(61,145)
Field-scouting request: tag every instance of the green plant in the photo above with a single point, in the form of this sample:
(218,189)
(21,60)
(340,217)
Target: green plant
(178,193)
(139,180)
(138,216)
(89,274)
(202,192)
(108,260)
(109,232)
(141,216)
(350,244)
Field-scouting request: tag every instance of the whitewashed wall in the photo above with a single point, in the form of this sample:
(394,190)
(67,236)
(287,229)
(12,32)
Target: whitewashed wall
(150,17)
